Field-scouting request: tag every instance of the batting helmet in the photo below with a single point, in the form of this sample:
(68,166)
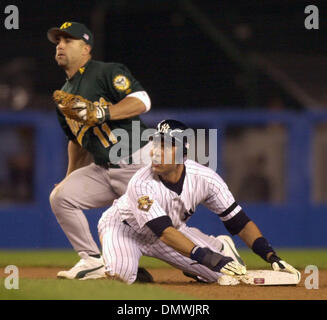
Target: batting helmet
(175,131)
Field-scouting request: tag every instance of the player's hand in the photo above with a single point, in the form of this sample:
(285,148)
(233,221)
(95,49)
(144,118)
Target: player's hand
(100,111)
(280,265)
(233,268)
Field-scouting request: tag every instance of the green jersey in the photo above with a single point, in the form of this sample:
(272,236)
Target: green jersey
(113,82)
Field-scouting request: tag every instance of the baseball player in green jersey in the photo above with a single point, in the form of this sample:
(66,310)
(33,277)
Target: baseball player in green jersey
(94,183)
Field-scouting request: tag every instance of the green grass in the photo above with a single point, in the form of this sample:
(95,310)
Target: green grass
(56,258)
(41,289)
(298,258)
(61,258)
(52,289)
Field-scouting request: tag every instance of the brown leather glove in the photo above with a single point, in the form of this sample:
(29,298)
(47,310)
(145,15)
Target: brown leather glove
(82,110)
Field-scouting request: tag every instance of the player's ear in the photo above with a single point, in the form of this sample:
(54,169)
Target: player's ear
(86,48)
(89,48)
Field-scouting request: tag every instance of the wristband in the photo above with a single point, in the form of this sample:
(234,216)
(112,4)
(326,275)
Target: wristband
(102,113)
(106,114)
(197,254)
(261,247)
(208,258)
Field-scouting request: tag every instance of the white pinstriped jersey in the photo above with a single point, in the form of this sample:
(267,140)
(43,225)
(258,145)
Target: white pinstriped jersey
(147,198)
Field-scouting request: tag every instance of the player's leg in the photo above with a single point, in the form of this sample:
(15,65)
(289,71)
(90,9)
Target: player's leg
(223,244)
(165,253)
(229,248)
(85,188)
(120,247)
(171,256)
(197,271)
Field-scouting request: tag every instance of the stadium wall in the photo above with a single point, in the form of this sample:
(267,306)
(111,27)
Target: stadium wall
(296,222)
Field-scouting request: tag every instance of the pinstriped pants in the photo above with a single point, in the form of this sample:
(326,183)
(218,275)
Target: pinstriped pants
(122,248)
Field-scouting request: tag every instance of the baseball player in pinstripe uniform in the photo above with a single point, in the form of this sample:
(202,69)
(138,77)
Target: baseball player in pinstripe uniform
(150,218)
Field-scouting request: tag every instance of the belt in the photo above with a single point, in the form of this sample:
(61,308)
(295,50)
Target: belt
(108,165)
(135,158)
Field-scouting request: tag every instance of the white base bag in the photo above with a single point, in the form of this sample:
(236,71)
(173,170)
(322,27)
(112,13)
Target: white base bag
(270,278)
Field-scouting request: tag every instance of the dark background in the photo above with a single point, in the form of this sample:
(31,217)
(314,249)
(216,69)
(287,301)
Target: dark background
(169,52)
(196,59)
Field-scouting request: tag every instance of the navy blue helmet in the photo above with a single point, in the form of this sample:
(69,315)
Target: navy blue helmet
(173,130)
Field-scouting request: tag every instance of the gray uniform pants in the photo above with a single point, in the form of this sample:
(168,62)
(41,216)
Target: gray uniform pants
(86,188)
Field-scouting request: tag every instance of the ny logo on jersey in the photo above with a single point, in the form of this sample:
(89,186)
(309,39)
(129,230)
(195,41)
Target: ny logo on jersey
(145,203)
(164,128)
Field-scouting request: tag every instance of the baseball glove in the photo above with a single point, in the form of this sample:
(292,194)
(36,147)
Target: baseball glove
(82,110)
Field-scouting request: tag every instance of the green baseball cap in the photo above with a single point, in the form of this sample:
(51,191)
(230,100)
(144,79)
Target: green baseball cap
(74,30)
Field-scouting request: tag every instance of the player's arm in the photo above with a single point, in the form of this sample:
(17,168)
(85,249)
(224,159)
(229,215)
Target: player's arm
(220,200)
(175,239)
(131,98)
(239,223)
(254,239)
(78,157)
(148,212)
(130,106)
(250,233)
(162,227)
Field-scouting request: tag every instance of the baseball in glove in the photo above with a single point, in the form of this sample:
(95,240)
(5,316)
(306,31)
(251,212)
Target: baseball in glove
(82,110)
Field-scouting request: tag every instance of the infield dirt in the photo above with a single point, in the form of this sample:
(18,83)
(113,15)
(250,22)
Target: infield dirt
(173,279)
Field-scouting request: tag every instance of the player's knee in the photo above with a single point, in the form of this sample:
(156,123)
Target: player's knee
(57,197)
(115,277)
(127,275)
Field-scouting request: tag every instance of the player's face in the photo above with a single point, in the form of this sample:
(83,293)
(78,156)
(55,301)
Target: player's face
(69,51)
(163,157)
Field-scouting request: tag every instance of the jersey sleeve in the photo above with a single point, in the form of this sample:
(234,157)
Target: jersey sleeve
(64,125)
(143,203)
(120,82)
(219,199)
